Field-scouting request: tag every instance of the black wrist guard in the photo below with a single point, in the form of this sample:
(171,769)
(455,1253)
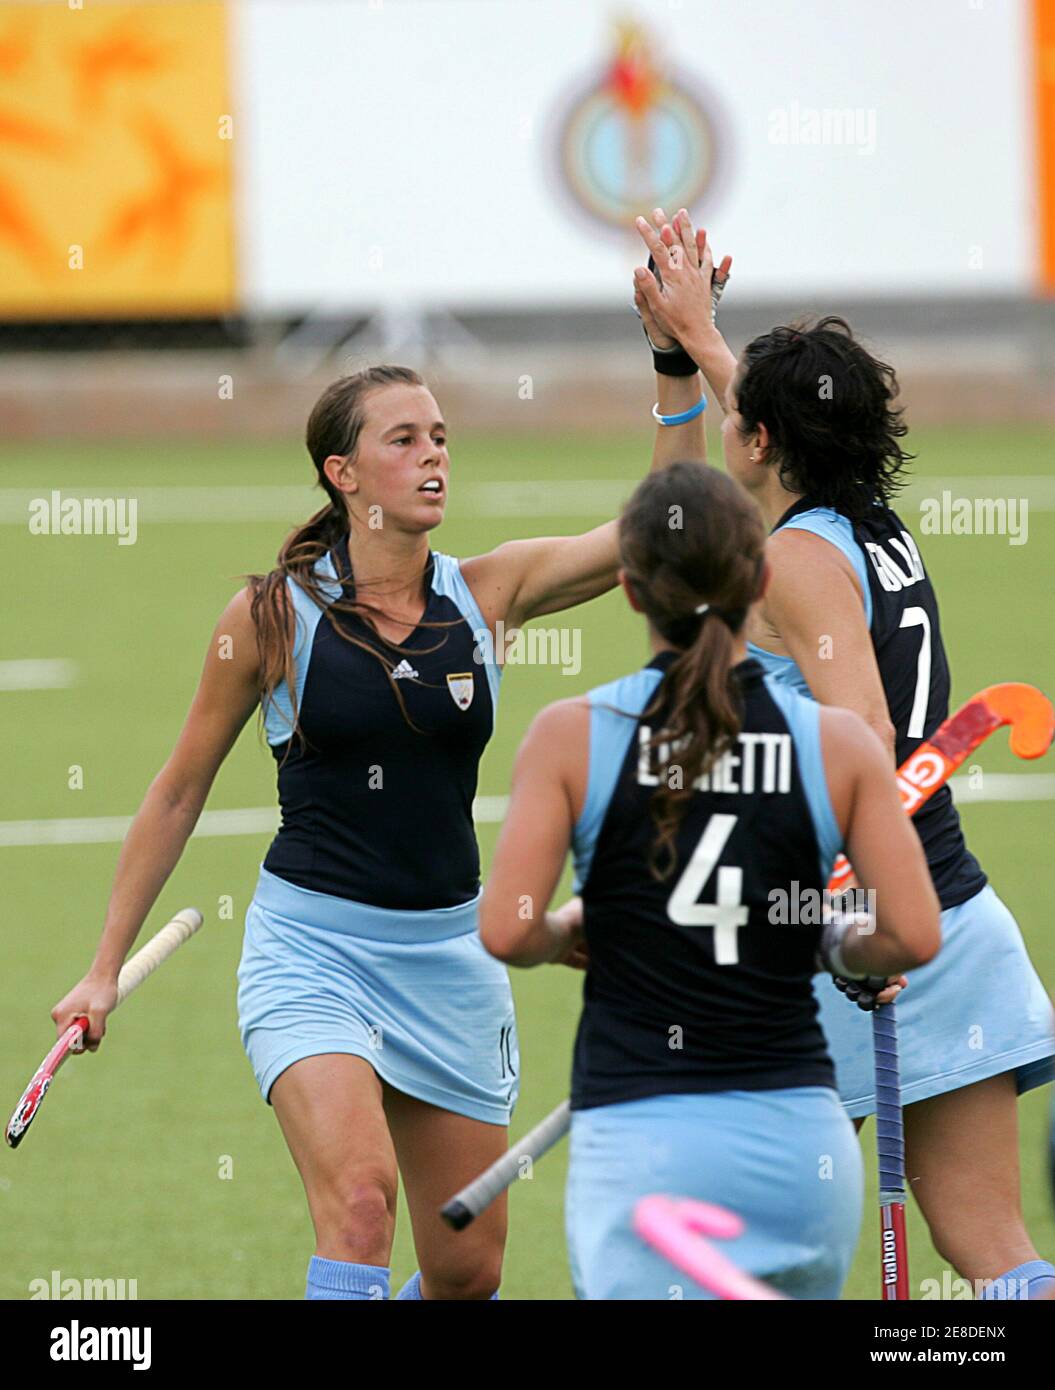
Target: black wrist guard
(672,361)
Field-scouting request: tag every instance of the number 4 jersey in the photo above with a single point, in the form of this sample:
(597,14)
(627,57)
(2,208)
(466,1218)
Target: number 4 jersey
(702,981)
(901,610)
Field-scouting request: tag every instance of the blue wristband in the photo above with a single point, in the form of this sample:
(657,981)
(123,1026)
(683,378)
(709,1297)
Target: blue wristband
(684,417)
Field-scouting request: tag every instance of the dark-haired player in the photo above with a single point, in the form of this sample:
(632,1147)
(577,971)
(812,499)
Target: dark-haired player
(812,431)
(691,792)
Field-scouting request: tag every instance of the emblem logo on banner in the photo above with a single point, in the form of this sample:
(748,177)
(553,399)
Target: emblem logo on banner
(636,138)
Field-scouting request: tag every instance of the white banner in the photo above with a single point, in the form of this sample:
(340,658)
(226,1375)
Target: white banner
(477,153)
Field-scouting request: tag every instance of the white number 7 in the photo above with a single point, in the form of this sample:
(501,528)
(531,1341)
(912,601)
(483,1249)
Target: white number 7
(917,617)
(726,914)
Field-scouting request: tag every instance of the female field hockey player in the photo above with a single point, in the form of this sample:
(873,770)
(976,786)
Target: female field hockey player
(851,618)
(377,1025)
(701,798)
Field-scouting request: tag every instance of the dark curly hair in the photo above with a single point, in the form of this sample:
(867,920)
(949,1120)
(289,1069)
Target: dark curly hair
(829,408)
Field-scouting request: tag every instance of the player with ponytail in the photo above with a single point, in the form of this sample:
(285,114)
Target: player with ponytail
(703,805)
(377,1026)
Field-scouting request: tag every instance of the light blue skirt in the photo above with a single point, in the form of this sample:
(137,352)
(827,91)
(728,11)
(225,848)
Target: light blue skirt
(977,1010)
(413,993)
(787,1162)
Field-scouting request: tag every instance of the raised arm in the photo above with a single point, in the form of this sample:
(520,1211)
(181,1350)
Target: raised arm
(679,390)
(682,306)
(525,579)
(227,695)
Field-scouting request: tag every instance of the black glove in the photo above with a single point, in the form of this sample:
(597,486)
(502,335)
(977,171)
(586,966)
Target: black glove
(865,989)
(864,993)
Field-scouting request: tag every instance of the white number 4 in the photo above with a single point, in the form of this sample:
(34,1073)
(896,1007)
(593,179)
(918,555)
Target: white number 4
(726,914)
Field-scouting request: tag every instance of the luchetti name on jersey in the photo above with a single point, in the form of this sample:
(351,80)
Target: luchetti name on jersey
(762,764)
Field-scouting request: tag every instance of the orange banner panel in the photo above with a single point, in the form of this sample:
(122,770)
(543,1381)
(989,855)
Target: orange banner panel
(116,138)
(1044,70)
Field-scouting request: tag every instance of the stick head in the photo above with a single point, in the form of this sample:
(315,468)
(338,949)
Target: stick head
(679,1228)
(1029,712)
(32,1097)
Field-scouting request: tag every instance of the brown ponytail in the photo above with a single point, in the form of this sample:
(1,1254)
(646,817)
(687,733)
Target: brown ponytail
(691,537)
(334,427)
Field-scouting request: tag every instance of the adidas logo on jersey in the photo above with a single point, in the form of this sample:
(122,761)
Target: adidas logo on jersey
(404,672)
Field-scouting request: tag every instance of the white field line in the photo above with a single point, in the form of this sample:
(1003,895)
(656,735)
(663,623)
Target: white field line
(487,810)
(555,497)
(1006,786)
(253,820)
(57,674)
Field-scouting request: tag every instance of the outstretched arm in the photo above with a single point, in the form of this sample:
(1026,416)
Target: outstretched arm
(525,579)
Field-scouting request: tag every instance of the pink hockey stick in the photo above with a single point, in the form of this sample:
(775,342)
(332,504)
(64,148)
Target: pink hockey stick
(677,1228)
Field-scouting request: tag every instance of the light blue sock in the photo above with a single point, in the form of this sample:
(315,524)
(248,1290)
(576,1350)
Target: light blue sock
(412,1289)
(1034,1279)
(332,1279)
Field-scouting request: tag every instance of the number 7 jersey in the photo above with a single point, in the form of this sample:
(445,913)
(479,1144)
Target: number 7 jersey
(901,610)
(702,981)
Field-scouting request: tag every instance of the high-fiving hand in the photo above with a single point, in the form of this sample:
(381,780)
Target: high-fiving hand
(679,297)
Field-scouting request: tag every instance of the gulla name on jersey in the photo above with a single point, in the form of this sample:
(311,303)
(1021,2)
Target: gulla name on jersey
(891,576)
(763,764)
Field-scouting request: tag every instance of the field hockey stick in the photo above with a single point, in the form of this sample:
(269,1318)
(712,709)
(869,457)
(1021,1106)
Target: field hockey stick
(678,1230)
(465,1206)
(890,1154)
(1032,721)
(134,971)
(1026,709)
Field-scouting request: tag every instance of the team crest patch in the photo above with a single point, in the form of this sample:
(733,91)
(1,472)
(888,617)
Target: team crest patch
(461,688)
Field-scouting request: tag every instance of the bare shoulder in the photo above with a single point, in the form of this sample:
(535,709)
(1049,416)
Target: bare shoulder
(494,577)
(556,749)
(562,726)
(801,554)
(238,615)
(848,742)
(234,647)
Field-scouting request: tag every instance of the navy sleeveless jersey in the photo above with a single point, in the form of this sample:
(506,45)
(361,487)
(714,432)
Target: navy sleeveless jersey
(902,613)
(373,809)
(703,982)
